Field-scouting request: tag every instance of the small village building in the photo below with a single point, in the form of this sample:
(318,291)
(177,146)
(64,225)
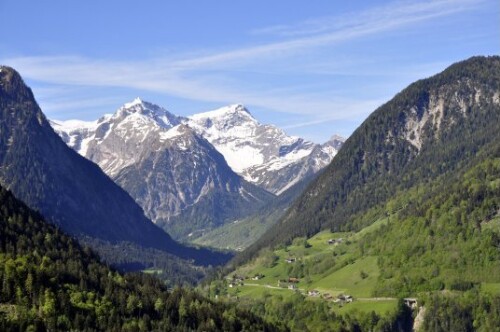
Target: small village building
(313,293)
(345,298)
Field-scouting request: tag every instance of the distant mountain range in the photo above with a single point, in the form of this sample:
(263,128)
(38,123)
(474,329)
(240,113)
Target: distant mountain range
(194,174)
(262,154)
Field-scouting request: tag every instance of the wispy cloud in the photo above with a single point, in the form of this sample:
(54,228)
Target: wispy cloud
(214,77)
(374,19)
(331,30)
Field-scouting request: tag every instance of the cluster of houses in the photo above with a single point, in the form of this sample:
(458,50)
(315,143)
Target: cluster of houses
(239,280)
(236,281)
(341,299)
(290,283)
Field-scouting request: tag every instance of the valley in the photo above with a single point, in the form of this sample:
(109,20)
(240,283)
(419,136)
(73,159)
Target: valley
(397,228)
(194,175)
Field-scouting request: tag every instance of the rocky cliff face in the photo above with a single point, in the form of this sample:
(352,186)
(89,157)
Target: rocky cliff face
(165,166)
(263,154)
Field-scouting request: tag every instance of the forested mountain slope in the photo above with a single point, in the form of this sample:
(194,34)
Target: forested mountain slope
(51,283)
(437,243)
(70,191)
(433,128)
(241,233)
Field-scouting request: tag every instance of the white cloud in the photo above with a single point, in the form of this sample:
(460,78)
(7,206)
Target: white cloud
(214,77)
(377,17)
(331,30)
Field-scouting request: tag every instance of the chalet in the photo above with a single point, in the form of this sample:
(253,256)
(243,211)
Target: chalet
(258,276)
(292,286)
(411,302)
(290,260)
(345,298)
(327,296)
(293,280)
(335,241)
(313,293)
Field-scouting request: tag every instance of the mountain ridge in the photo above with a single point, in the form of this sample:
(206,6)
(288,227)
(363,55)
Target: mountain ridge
(263,154)
(166,166)
(180,178)
(40,169)
(383,155)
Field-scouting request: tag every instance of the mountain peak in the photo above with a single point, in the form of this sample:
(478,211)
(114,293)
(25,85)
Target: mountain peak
(337,138)
(227,112)
(135,102)
(148,110)
(139,104)
(12,85)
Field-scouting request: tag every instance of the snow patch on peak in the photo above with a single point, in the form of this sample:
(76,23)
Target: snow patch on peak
(135,102)
(224,112)
(147,112)
(174,132)
(71,125)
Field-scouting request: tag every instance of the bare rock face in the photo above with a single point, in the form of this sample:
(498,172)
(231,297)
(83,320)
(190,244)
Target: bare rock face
(169,169)
(263,154)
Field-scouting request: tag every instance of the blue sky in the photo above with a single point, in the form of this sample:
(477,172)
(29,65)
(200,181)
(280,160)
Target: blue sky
(314,68)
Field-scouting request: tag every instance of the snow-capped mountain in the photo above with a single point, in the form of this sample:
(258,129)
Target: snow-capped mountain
(114,140)
(263,154)
(181,181)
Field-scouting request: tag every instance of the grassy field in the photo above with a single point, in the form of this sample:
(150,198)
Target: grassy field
(328,268)
(258,291)
(381,307)
(491,288)
(357,279)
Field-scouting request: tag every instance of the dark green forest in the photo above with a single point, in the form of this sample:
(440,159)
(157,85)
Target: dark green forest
(49,282)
